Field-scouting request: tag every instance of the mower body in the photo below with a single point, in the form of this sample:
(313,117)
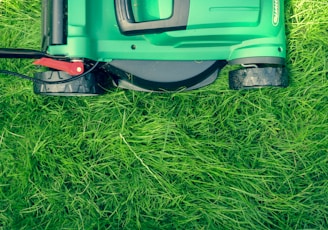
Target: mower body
(165,44)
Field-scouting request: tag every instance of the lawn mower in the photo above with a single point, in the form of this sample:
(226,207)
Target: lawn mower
(156,45)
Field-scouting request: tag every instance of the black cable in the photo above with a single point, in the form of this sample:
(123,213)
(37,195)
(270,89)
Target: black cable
(25,53)
(39,81)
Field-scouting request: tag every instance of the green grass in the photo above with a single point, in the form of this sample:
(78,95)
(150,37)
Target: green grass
(207,159)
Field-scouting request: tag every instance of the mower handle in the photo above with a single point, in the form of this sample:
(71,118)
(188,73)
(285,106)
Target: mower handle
(128,25)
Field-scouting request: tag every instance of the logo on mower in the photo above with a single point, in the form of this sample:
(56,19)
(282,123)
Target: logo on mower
(276,12)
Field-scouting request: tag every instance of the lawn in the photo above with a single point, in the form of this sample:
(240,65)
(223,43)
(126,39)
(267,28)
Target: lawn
(207,159)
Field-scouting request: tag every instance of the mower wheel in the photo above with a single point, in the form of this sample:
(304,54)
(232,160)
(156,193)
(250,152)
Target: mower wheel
(258,77)
(54,83)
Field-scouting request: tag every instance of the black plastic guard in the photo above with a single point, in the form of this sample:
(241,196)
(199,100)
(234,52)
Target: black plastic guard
(165,75)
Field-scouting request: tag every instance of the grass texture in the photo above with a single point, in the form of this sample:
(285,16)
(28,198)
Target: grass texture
(206,159)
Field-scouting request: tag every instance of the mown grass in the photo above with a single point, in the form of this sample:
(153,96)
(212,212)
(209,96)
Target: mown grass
(207,159)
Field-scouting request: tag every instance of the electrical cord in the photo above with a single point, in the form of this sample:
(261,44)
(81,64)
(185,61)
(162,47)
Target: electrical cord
(39,81)
(25,53)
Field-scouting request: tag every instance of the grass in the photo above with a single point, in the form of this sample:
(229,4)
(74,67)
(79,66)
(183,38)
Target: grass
(207,159)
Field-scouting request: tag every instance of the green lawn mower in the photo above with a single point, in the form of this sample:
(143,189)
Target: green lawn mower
(156,45)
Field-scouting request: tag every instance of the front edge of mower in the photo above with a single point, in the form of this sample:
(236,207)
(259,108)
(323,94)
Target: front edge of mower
(89,46)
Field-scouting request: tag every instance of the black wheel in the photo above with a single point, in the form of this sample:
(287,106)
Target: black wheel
(258,77)
(57,83)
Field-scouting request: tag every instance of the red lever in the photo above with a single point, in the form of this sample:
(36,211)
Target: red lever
(72,68)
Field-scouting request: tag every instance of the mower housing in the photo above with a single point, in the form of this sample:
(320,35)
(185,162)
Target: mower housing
(169,45)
